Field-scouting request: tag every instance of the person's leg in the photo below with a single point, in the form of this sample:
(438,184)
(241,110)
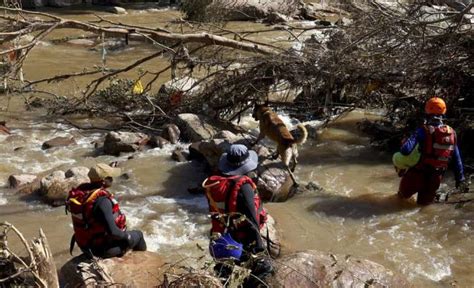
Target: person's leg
(432,181)
(116,251)
(137,242)
(410,183)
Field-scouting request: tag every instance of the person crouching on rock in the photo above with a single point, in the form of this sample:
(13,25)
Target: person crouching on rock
(438,146)
(99,225)
(237,213)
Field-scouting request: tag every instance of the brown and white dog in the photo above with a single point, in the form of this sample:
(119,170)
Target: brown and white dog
(273,127)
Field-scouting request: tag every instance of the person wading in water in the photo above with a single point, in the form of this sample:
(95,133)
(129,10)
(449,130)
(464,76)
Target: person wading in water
(438,146)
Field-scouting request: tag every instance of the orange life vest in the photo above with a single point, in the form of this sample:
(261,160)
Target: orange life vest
(221,193)
(439,145)
(88,232)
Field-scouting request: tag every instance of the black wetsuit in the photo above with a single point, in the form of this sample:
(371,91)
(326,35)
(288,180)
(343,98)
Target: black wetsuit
(118,241)
(246,206)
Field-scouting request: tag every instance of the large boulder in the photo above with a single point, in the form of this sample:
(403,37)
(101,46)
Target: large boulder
(157,141)
(171,133)
(211,150)
(317,11)
(135,269)
(271,237)
(55,187)
(196,127)
(239,10)
(187,85)
(117,142)
(58,142)
(310,269)
(17,181)
(274,182)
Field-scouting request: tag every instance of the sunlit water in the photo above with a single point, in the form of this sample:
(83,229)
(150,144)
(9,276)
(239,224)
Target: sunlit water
(356,214)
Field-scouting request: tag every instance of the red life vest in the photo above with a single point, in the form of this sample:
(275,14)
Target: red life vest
(439,145)
(88,232)
(221,193)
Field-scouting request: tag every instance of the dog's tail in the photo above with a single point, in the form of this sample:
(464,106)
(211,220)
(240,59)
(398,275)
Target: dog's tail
(304,134)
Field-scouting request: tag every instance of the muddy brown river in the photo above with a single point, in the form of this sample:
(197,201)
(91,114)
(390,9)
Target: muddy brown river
(357,213)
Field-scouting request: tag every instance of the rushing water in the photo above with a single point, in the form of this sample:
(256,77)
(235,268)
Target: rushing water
(356,214)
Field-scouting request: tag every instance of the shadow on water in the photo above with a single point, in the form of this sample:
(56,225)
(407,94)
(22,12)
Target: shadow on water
(363,206)
(180,177)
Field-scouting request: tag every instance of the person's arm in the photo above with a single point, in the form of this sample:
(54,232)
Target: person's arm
(458,167)
(410,143)
(245,202)
(103,211)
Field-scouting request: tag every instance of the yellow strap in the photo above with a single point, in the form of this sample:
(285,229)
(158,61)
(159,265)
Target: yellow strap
(74,200)
(92,196)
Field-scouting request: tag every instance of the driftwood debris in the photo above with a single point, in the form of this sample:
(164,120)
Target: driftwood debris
(36,269)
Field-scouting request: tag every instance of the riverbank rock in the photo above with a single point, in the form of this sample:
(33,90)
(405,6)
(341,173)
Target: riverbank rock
(135,269)
(118,142)
(211,150)
(117,10)
(171,133)
(17,181)
(195,127)
(317,11)
(186,85)
(55,187)
(179,155)
(272,239)
(157,141)
(58,142)
(311,269)
(240,10)
(274,182)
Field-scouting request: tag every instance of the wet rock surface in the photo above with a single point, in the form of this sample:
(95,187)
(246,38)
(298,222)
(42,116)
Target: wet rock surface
(157,141)
(135,269)
(196,127)
(58,142)
(274,181)
(179,155)
(319,269)
(171,133)
(55,187)
(16,181)
(118,142)
(242,10)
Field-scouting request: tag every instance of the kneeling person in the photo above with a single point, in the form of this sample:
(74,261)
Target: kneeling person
(99,225)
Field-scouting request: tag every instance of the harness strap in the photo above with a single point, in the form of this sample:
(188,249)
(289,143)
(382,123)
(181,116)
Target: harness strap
(72,243)
(444,147)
